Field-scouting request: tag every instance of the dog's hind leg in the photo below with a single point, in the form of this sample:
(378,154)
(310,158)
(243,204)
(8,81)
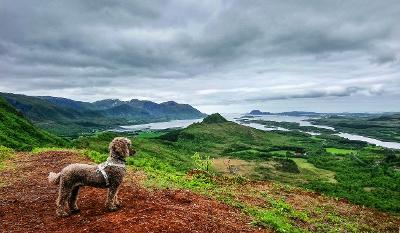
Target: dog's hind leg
(63,195)
(73,199)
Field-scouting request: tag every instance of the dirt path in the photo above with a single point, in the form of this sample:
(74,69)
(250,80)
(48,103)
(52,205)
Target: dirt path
(27,204)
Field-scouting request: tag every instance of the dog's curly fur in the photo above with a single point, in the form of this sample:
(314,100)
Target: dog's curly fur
(74,176)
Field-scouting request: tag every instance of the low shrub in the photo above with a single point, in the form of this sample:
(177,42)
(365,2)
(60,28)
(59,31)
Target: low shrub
(97,157)
(286,165)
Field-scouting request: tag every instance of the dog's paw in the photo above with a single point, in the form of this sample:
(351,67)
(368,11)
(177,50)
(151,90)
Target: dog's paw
(75,210)
(62,214)
(112,208)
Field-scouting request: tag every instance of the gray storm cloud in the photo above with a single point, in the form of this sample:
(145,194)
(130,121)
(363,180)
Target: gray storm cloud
(207,53)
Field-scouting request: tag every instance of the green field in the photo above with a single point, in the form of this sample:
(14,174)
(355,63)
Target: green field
(312,171)
(339,151)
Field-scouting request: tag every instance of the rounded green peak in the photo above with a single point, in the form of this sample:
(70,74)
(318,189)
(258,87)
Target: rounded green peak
(214,118)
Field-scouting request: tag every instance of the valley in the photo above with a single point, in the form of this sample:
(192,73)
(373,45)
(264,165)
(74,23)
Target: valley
(283,181)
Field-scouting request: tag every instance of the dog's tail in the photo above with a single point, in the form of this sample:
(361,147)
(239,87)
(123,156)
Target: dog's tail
(54,178)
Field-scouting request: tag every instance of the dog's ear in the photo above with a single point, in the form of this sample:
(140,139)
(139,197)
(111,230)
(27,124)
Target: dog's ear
(115,148)
(119,147)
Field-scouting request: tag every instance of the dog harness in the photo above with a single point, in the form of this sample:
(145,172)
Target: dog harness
(102,166)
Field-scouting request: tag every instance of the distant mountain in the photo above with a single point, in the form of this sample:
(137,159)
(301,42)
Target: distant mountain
(69,117)
(39,109)
(67,103)
(18,133)
(258,113)
(300,113)
(144,108)
(292,113)
(107,103)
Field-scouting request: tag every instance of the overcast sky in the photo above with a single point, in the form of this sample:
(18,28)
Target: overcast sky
(220,56)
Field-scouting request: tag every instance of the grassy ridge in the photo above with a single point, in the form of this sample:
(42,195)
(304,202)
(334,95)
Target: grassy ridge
(18,133)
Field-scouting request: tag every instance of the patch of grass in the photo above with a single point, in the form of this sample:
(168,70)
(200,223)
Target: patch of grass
(5,153)
(294,171)
(150,134)
(270,219)
(279,152)
(316,138)
(310,170)
(233,166)
(280,216)
(339,151)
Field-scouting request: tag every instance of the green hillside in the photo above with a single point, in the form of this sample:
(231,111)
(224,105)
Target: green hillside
(18,133)
(214,118)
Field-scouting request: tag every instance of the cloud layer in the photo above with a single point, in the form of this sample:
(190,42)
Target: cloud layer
(217,55)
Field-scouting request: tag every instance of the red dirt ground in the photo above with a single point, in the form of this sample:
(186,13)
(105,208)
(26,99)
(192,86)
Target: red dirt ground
(27,204)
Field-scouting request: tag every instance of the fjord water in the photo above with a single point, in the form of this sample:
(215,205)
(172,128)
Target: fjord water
(391,145)
(302,120)
(161,125)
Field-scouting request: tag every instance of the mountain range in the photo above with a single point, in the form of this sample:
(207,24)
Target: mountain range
(68,117)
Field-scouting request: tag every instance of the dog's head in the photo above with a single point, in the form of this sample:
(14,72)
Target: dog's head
(120,148)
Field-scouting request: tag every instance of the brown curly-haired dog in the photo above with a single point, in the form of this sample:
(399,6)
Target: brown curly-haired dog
(106,175)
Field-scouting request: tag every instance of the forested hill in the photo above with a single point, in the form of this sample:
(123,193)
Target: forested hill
(18,133)
(69,117)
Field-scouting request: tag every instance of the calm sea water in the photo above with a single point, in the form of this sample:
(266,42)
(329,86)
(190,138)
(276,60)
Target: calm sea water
(302,120)
(161,125)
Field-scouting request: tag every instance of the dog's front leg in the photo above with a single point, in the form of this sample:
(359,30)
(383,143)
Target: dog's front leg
(116,201)
(112,191)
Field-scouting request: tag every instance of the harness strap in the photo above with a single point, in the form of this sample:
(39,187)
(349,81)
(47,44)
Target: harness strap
(102,166)
(103,172)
